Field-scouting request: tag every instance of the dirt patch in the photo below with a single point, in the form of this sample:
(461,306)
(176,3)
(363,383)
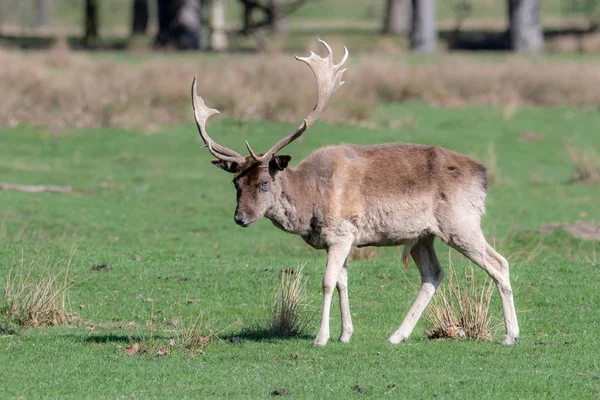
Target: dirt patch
(531,136)
(583,229)
(548,229)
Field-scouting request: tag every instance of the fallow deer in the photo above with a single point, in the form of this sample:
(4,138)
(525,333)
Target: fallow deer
(380,195)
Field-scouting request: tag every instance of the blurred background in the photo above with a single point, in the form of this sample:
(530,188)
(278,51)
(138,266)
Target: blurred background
(219,25)
(129,63)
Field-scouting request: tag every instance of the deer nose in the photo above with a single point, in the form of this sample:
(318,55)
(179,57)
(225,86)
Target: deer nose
(241,220)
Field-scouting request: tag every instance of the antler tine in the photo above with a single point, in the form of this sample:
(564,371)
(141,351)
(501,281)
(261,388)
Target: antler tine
(201,114)
(329,80)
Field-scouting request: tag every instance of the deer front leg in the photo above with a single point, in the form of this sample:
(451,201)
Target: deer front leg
(336,256)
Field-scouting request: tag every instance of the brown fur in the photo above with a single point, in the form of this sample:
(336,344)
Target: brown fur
(356,190)
(379,195)
(348,196)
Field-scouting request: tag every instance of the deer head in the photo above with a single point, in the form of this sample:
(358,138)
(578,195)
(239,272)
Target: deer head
(257,177)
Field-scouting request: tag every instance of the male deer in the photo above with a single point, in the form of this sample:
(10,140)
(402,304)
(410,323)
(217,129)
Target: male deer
(379,195)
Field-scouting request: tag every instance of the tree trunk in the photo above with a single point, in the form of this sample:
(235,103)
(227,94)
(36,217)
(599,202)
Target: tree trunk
(91,22)
(423,34)
(246,17)
(396,17)
(140,17)
(42,18)
(525,30)
(278,20)
(218,35)
(179,24)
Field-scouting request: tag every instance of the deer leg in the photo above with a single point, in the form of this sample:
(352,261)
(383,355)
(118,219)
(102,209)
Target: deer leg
(423,253)
(476,248)
(342,287)
(336,256)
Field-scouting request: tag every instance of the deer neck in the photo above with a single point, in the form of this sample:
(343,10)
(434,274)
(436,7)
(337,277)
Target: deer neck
(295,209)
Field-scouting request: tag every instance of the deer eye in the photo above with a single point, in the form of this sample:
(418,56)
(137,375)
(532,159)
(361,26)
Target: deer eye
(264,186)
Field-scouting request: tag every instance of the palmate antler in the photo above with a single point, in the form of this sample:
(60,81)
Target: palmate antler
(201,114)
(329,80)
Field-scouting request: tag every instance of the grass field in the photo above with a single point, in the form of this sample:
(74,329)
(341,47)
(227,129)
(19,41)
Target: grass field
(159,214)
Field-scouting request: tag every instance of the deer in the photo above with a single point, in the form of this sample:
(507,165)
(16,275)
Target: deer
(351,195)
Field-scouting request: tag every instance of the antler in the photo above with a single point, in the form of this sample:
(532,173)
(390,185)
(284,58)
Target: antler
(329,80)
(201,113)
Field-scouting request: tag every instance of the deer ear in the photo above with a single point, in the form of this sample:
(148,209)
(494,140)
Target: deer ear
(229,166)
(280,162)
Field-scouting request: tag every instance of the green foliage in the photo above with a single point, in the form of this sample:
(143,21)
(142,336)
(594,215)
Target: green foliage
(155,210)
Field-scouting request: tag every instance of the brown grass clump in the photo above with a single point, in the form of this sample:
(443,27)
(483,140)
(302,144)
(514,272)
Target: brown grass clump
(586,164)
(36,295)
(363,253)
(192,338)
(60,89)
(493,171)
(288,317)
(460,308)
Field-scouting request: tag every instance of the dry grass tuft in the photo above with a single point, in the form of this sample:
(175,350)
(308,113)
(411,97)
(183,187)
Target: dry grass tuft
(363,253)
(60,89)
(35,295)
(192,338)
(460,308)
(493,171)
(586,164)
(289,317)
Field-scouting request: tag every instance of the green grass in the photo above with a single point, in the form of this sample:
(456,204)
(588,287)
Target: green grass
(158,197)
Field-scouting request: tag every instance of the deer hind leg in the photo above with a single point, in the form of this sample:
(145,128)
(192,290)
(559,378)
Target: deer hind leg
(342,287)
(472,244)
(336,257)
(423,253)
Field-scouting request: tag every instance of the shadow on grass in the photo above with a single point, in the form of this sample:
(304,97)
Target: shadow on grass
(126,339)
(263,335)
(7,329)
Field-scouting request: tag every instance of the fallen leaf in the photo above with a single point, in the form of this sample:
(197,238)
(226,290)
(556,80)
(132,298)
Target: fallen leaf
(163,351)
(132,350)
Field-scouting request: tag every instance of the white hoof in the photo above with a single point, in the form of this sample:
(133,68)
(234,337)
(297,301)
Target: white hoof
(345,337)
(510,339)
(320,342)
(395,339)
